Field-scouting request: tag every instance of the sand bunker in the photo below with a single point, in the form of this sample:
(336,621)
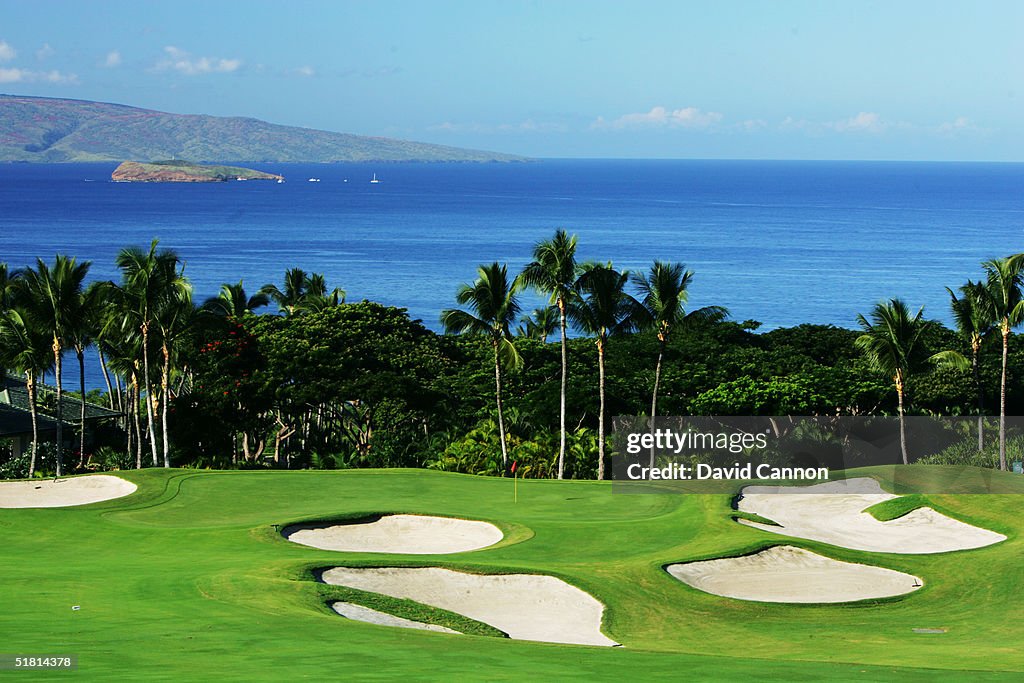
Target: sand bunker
(525,606)
(47,493)
(409,534)
(788,574)
(834,513)
(372,616)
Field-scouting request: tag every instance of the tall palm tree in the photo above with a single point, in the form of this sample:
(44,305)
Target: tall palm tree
(174,319)
(122,340)
(553,271)
(1003,286)
(53,300)
(892,344)
(662,308)
(494,306)
(234,302)
(603,308)
(25,348)
(148,279)
(540,324)
(82,334)
(972,313)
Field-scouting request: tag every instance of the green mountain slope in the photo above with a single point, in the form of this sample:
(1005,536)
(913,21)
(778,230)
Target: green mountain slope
(52,130)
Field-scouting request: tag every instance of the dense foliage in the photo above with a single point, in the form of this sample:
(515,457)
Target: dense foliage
(329,384)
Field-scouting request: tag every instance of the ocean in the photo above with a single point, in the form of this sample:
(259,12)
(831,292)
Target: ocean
(775,241)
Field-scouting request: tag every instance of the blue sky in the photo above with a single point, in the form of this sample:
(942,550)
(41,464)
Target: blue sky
(732,79)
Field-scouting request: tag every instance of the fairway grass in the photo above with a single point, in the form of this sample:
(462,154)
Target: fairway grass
(189,578)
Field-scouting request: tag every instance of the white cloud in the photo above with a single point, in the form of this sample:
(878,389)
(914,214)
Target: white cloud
(960,123)
(112,59)
(306,71)
(26,76)
(181,61)
(751,125)
(7,53)
(45,52)
(863,122)
(657,117)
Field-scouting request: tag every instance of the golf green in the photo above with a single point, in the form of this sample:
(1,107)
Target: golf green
(189,578)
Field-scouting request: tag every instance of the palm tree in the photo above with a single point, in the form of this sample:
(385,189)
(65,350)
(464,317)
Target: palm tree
(553,271)
(82,334)
(494,304)
(26,349)
(317,297)
(149,278)
(539,325)
(122,341)
(663,297)
(52,301)
(892,344)
(289,298)
(234,302)
(1003,287)
(972,313)
(174,318)
(603,308)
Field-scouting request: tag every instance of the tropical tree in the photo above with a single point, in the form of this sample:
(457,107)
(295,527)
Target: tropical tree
(233,302)
(174,318)
(972,313)
(81,335)
(1003,286)
(539,325)
(662,308)
(892,344)
(303,292)
(494,306)
(52,300)
(290,296)
(25,348)
(602,308)
(553,271)
(148,280)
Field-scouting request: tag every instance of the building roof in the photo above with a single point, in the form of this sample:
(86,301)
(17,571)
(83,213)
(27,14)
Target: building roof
(15,417)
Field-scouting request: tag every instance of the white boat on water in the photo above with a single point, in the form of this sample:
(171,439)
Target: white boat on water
(374,181)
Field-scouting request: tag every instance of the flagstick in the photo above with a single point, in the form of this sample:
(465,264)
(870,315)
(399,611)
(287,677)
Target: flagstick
(515,487)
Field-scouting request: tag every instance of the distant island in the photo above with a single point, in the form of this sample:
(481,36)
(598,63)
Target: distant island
(179,171)
(50,130)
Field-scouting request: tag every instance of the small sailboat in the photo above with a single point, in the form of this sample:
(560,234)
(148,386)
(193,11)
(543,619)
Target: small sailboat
(374,180)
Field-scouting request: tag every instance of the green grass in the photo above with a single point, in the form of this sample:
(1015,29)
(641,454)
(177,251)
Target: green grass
(189,578)
(895,508)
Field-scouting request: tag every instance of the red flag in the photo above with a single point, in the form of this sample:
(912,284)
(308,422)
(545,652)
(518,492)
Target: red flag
(514,466)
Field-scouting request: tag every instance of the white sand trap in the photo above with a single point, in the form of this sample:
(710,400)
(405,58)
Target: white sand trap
(788,574)
(833,512)
(372,616)
(47,493)
(525,606)
(409,534)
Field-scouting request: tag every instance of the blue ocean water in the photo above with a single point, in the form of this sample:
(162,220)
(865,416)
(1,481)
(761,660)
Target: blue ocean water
(779,242)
